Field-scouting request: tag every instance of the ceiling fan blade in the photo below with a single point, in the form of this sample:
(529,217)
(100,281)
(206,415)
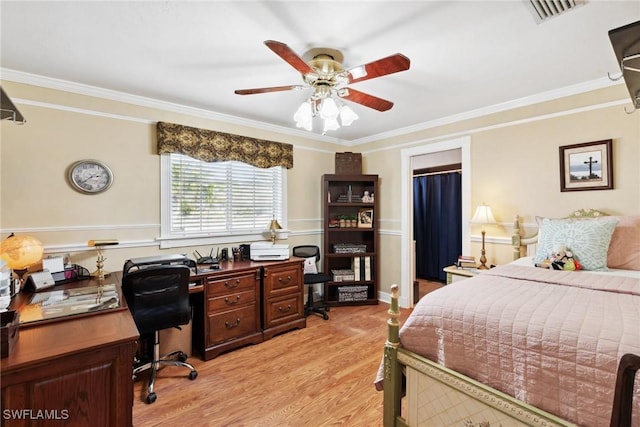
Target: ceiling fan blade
(381,67)
(365,99)
(292,58)
(267,89)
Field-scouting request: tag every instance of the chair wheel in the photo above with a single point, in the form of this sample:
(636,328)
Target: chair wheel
(182,357)
(325,316)
(193,375)
(151,398)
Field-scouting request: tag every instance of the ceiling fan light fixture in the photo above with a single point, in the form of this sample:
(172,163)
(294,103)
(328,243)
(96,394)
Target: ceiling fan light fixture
(331,124)
(304,116)
(347,115)
(329,109)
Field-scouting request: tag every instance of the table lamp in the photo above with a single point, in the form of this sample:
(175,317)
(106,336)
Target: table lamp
(100,273)
(484,217)
(20,252)
(273,227)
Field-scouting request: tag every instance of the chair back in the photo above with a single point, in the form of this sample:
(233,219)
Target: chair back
(306,251)
(158,297)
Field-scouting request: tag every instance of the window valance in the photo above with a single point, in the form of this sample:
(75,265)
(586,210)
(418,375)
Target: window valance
(212,146)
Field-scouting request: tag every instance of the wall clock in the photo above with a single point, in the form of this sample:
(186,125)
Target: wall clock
(90,176)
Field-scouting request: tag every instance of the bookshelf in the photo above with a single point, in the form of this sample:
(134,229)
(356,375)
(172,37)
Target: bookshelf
(351,239)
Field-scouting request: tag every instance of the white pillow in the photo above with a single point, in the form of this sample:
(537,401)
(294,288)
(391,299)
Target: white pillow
(310,265)
(588,239)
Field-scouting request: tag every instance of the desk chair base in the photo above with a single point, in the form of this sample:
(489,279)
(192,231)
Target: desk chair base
(311,307)
(176,358)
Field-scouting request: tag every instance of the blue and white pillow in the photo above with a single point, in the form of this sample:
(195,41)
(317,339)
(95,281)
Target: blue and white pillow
(588,239)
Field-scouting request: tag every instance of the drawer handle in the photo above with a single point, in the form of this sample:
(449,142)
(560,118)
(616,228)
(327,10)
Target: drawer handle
(232,325)
(287,282)
(285,310)
(232,285)
(231,302)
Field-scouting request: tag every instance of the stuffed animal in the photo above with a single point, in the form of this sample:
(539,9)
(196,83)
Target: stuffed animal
(562,259)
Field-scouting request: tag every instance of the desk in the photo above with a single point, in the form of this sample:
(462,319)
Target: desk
(77,369)
(245,302)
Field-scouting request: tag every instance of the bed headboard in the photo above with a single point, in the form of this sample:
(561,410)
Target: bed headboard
(526,246)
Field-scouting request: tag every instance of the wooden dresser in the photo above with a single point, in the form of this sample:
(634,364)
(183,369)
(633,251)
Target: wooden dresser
(75,371)
(245,302)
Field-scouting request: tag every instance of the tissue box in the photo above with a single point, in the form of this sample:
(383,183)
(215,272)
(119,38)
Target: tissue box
(9,322)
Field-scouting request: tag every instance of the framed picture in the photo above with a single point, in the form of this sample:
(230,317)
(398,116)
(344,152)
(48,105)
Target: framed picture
(587,166)
(365,218)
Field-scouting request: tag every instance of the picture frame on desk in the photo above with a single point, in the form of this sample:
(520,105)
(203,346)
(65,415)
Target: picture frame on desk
(365,218)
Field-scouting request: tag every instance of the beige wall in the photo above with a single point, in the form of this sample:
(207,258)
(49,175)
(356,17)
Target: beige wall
(65,127)
(514,168)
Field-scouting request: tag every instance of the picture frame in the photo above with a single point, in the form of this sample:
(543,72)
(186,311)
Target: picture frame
(365,218)
(586,166)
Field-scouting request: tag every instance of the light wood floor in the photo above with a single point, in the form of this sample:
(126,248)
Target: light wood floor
(318,376)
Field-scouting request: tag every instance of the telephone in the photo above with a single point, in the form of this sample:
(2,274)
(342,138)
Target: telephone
(39,280)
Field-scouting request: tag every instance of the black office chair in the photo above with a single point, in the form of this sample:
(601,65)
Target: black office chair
(310,279)
(158,298)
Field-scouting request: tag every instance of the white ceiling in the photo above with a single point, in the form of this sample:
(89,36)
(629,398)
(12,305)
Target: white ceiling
(465,55)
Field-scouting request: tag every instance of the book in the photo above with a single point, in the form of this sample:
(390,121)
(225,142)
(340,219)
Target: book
(356,268)
(367,268)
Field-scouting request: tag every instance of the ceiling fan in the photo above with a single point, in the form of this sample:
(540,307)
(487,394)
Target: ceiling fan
(326,76)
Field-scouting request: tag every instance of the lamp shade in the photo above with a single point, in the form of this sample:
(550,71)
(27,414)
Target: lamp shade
(483,215)
(274,225)
(19,252)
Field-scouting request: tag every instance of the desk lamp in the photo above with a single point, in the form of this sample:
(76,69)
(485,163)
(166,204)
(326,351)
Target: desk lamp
(20,252)
(483,216)
(100,273)
(273,227)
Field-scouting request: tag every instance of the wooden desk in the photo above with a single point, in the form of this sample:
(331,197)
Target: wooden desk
(76,371)
(245,302)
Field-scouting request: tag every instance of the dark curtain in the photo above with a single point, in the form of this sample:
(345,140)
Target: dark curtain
(437,219)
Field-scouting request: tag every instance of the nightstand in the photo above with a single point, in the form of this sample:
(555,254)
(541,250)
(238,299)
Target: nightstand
(454,273)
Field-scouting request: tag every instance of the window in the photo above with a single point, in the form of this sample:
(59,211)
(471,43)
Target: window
(216,202)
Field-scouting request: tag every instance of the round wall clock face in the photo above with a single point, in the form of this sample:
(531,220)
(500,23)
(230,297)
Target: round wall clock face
(90,176)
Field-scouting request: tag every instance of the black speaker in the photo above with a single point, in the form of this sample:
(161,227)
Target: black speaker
(245,252)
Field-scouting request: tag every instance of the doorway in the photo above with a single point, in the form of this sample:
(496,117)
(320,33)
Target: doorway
(407,258)
(437,212)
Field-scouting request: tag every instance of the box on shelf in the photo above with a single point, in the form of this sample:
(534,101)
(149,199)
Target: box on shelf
(352,293)
(348,163)
(343,275)
(9,323)
(349,248)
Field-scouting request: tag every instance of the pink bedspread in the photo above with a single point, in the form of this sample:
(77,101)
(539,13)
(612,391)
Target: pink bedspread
(552,339)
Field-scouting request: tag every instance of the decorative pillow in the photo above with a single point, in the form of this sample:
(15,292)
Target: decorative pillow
(310,265)
(587,238)
(624,249)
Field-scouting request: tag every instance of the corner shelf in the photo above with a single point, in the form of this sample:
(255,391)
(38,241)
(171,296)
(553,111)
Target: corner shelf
(363,235)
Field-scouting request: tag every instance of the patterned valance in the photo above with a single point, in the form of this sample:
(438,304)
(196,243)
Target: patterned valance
(211,146)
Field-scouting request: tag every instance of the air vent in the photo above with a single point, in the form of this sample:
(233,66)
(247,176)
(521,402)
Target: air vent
(542,10)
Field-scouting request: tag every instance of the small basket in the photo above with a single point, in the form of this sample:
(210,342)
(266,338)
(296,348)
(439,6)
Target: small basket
(348,163)
(352,293)
(9,322)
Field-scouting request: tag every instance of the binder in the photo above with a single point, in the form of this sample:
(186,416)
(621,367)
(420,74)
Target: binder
(356,268)
(367,268)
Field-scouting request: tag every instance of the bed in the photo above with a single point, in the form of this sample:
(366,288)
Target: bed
(518,344)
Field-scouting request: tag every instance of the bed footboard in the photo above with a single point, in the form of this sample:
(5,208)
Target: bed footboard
(392,372)
(437,396)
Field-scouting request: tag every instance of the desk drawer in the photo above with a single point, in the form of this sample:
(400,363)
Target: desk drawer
(230,301)
(232,324)
(282,310)
(282,281)
(231,285)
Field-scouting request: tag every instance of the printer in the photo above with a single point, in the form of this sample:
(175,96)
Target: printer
(267,251)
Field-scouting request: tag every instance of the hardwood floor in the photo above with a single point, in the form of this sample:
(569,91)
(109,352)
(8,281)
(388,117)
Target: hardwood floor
(318,376)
